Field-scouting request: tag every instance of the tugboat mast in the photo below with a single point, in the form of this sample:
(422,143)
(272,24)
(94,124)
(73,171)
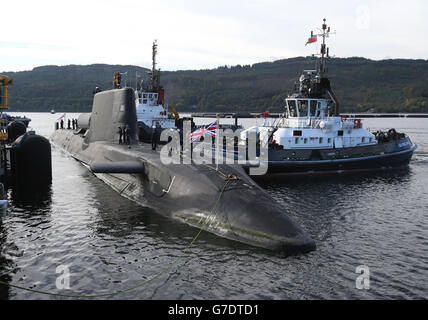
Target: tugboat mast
(324,53)
(155,74)
(319,85)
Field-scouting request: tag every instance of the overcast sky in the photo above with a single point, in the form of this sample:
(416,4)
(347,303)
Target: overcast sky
(204,34)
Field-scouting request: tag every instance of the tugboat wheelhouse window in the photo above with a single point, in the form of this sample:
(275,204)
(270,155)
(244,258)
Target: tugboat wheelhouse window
(303,108)
(292,110)
(330,108)
(313,108)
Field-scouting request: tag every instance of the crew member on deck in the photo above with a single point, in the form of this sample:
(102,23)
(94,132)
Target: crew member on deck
(127,135)
(119,79)
(120,132)
(116,80)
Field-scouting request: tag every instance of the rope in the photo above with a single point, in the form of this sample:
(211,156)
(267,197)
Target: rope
(207,219)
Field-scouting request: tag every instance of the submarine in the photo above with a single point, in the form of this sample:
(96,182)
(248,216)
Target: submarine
(224,201)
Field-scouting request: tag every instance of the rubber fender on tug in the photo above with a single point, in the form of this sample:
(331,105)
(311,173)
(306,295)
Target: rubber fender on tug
(15,129)
(31,161)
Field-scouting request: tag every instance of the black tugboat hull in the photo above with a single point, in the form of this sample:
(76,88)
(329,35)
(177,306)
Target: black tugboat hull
(363,163)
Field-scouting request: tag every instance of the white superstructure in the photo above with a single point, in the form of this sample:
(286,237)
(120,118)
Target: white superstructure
(308,124)
(151,112)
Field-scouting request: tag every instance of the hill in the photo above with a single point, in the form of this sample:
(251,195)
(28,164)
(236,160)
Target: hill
(360,84)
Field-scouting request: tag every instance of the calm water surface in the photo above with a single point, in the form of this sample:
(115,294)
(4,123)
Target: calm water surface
(110,243)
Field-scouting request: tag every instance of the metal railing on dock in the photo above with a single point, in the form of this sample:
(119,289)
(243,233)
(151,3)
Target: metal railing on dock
(278,115)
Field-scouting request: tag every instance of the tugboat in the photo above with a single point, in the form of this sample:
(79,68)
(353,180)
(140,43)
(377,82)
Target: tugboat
(312,137)
(153,114)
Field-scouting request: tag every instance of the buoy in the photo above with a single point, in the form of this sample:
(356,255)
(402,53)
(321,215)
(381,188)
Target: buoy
(15,129)
(31,160)
(3,207)
(3,201)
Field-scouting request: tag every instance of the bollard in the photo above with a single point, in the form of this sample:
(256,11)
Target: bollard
(3,207)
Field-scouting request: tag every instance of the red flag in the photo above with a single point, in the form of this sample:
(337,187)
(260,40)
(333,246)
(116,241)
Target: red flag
(311,40)
(263,114)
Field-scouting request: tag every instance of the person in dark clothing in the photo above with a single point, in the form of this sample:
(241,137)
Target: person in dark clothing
(62,124)
(127,134)
(116,80)
(119,78)
(154,137)
(120,131)
(68,124)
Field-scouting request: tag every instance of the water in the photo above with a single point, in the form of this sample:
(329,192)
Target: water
(110,243)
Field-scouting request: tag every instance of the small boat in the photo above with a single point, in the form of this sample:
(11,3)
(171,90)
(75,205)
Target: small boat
(5,119)
(312,136)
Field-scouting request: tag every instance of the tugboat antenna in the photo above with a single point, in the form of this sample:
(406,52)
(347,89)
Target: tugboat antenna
(324,53)
(155,74)
(154,53)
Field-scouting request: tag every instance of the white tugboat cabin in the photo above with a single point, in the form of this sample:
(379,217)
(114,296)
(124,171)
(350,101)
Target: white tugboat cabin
(309,123)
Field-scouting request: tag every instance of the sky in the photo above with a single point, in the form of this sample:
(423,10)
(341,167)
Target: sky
(204,34)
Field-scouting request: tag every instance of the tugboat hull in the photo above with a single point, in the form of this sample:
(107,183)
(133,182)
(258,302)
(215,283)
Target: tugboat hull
(363,163)
(385,155)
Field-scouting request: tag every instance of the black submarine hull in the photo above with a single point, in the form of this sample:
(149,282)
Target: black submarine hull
(226,202)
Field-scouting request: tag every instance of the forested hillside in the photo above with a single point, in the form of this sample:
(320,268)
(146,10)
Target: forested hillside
(360,84)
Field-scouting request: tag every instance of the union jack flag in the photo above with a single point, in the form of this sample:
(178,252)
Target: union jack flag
(210,129)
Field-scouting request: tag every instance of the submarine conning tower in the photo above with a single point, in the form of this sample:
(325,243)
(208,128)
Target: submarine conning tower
(110,110)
